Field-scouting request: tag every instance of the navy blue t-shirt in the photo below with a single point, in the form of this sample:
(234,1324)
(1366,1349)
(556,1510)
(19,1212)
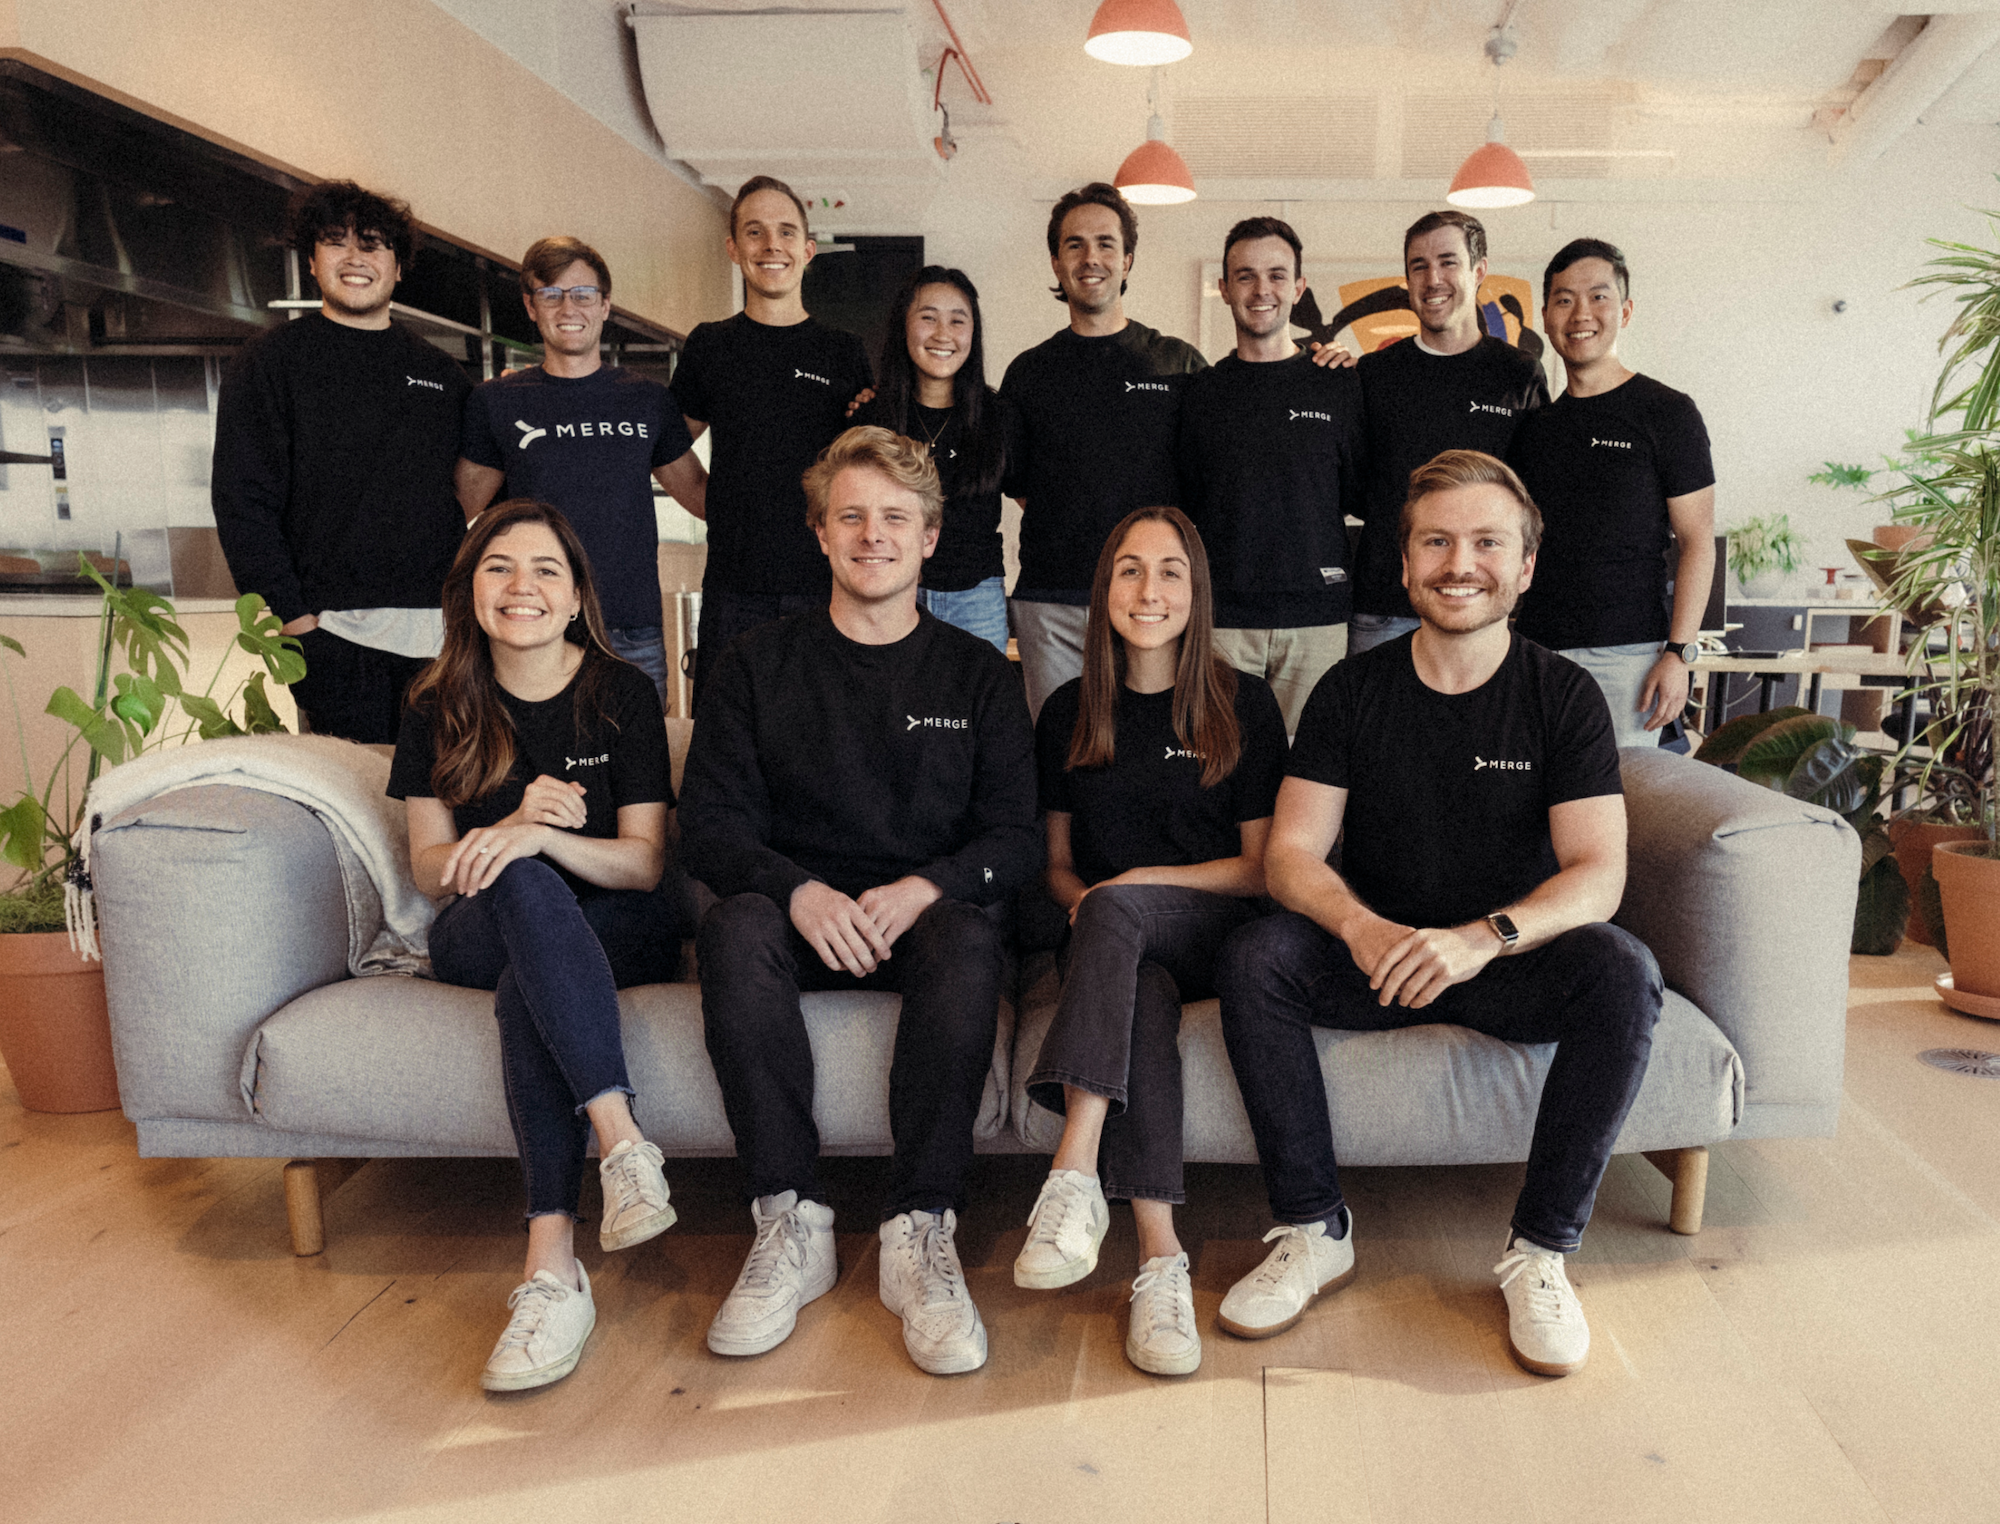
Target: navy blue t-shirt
(589,446)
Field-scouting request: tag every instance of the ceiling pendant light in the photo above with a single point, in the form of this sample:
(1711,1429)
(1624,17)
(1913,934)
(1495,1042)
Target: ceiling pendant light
(1139,32)
(1493,174)
(1153,174)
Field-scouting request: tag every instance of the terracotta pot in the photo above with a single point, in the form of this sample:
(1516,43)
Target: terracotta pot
(1969,884)
(54,1032)
(1913,840)
(1897,536)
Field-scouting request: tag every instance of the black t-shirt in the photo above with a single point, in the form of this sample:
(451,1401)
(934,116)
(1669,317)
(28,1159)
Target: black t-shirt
(1094,427)
(1148,809)
(1448,796)
(1270,459)
(620,757)
(589,445)
(969,549)
(773,398)
(1601,470)
(1417,405)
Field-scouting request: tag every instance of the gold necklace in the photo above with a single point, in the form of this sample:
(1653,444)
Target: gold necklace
(930,439)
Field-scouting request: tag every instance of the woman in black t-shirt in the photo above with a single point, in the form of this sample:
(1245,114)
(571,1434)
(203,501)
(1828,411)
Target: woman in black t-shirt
(1159,768)
(933,389)
(534,764)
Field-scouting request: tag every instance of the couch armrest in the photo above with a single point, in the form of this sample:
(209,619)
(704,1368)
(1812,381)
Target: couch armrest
(1746,897)
(218,906)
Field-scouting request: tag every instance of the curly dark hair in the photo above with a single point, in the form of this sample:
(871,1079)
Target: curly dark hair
(337,207)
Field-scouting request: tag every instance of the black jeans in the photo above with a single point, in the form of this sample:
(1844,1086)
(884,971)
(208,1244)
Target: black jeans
(354,692)
(555,964)
(1134,954)
(1595,992)
(948,967)
(726,615)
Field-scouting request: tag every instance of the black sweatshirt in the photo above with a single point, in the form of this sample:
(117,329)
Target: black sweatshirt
(1271,457)
(969,548)
(1416,405)
(1093,438)
(334,452)
(821,758)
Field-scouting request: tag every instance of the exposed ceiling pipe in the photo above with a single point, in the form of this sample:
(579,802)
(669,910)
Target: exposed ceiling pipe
(1934,62)
(964,59)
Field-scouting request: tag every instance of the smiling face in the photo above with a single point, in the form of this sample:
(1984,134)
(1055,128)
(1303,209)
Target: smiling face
(1091,261)
(1444,282)
(1463,561)
(874,537)
(357,275)
(523,592)
(939,331)
(571,328)
(769,244)
(1260,285)
(1585,313)
(1151,592)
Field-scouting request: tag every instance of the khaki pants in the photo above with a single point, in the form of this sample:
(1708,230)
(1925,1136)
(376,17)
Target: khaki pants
(1291,661)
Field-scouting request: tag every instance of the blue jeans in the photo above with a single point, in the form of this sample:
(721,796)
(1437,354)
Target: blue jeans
(555,964)
(1367,631)
(980,610)
(725,615)
(1135,953)
(1594,992)
(642,646)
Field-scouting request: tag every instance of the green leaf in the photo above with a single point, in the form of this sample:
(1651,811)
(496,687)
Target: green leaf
(1881,909)
(257,710)
(23,833)
(1875,845)
(139,701)
(1829,774)
(1770,758)
(13,645)
(1727,744)
(1930,906)
(209,719)
(100,733)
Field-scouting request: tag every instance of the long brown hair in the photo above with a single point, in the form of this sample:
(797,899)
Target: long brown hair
(1204,684)
(472,736)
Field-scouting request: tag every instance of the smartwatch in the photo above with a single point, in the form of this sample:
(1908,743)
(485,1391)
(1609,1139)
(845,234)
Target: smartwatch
(1504,930)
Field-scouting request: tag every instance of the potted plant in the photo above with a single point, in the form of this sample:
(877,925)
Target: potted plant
(1764,551)
(54,1034)
(1813,757)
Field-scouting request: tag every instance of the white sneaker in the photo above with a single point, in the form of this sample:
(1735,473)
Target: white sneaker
(921,1283)
(544,1337)
(1161,1337)
(1545,1326)
(1064,1230)
(791,1263)
(635,1196)
(1274,1296)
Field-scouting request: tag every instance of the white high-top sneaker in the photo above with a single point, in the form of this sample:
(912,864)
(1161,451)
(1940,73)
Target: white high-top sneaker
(921,1283)
(791,1263)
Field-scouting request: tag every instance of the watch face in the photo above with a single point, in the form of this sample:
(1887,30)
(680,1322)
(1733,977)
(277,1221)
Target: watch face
(1504,927)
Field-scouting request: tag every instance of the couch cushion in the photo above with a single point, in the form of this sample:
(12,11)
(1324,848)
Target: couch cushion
(1430,1094)
(410,1059)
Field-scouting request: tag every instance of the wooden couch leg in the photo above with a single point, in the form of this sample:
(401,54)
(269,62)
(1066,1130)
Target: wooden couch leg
(1688,1169)
(307,1182)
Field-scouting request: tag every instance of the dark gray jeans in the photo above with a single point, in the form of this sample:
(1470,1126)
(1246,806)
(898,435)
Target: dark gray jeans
(1134,954)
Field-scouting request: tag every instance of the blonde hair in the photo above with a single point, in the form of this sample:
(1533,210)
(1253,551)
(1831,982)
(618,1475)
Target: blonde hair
(1471,468)
(904,461)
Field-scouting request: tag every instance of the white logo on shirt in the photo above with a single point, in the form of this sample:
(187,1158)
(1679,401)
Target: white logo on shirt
(1487,407)
(1333,574)
(1192,756)
(436,386)
(1616,444)
(935,722)
(528,435)
(570,763)
(1299,412)
(1147,386)
(806,375)
(602,429)
(1479,762)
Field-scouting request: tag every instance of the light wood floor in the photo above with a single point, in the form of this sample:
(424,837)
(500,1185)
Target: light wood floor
(1827,1349)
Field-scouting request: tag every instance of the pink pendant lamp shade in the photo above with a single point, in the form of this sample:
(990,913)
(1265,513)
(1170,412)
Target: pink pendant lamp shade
(1153,174)
(1492,175)
(1139,32)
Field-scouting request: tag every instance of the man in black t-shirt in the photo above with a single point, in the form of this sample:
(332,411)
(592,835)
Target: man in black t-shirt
(776,385)
(1095,411)
(1472,782)
(1453,386)
(588,437)
(1620,467)
(335,436)
(860,793)
(1270,450)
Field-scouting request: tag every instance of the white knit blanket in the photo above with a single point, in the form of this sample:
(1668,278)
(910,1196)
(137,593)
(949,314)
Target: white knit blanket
(388,919)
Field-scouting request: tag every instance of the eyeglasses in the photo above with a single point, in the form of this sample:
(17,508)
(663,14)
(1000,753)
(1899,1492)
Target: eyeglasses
(553,296)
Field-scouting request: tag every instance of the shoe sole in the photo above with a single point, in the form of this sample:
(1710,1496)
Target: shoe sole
(956,1366)
(1244,1331)
(1062,1275)
(526,1381)
(638,1232)
(758,1345)
(1155,1365)
(1545,1367)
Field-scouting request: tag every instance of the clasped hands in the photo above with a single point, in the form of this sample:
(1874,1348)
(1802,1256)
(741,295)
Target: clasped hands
(547,805)
(856,934)
(1412,966)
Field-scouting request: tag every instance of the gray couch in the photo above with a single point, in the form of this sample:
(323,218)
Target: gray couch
(238,1032)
